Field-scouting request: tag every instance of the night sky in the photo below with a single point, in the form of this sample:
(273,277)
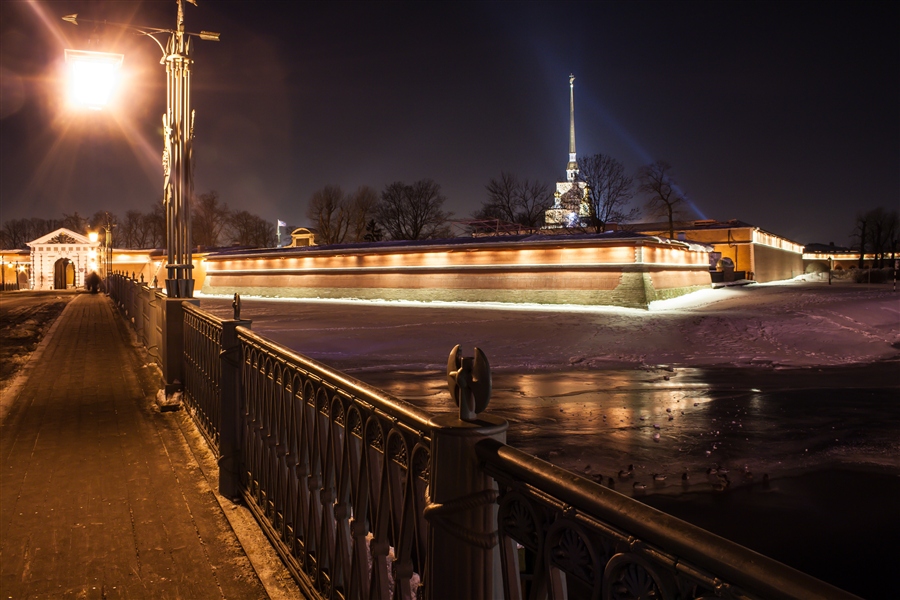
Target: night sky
(784,115)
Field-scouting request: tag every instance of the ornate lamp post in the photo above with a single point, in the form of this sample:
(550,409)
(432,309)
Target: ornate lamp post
(178,131)
(178,183)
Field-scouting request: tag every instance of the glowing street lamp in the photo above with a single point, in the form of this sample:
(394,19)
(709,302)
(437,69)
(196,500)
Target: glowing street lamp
(93,77)
(178,184)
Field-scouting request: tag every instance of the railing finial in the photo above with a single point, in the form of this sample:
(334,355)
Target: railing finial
(236,305)
(469,382)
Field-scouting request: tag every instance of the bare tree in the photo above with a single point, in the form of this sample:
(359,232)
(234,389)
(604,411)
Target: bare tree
(38,227)
(155,224)
(362,210)
(610,190)
(135,231)
(251,230)
(664,198)
(15,234)
(75,222)
(413,212)
(100,218)
(373,232)
(877,231)
(534,199)
(209,217)
(514,201)
(128,229)
(892,237)
(501,202)
(329,209)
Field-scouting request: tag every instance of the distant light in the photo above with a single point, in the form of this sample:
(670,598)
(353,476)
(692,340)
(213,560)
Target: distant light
(92,77)
(93,236)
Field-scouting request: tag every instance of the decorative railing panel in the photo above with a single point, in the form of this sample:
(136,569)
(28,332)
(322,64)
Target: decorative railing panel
(202,370)
(140,305)
(336,472)
(566,536)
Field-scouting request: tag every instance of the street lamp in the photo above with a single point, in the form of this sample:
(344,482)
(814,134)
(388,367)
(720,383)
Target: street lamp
(178,186)
(178,132)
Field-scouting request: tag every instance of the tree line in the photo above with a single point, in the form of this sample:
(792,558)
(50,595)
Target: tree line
(400,212)
(213,225)
(403,211)
(610,191)
(877,232)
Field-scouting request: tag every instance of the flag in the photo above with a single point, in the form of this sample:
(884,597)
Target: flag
(282,224)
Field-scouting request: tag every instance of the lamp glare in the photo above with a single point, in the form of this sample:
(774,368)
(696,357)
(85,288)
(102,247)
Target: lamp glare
(92,77)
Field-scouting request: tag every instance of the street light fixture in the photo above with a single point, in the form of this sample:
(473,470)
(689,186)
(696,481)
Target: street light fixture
(92,77)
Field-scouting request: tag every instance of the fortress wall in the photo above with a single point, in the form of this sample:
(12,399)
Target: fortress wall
(773,264)
(628,273)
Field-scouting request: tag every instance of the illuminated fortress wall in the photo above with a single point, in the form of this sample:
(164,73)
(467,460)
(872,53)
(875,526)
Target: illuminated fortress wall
(628,272)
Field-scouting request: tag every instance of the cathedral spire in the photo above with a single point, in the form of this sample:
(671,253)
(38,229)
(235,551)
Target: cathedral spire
(572,167)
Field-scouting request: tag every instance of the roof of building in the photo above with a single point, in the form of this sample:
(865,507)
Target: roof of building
(459,241)
(688,225)
(62,236)
(814,247)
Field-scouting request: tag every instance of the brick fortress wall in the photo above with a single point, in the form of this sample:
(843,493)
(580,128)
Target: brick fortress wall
(594,270)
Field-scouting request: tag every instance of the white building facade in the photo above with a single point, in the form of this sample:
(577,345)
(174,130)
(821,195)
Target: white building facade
(62,259)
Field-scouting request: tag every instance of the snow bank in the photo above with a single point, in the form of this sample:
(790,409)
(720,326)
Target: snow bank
(787,324)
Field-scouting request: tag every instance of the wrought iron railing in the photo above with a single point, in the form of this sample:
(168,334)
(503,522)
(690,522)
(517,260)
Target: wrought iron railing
(336,471)
(140,304)
(202,370)
(564,536)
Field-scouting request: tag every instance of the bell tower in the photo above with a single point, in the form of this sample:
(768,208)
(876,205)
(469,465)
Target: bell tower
(570,202)
(572,166)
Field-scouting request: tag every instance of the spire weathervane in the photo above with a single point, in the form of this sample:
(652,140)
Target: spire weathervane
(572,167)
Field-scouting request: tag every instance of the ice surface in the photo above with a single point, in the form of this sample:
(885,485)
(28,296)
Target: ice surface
(786,324)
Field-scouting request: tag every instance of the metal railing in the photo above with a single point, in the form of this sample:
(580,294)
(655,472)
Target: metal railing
(336,471)
(565,536)
(140,304)
(202,371)
(366,496)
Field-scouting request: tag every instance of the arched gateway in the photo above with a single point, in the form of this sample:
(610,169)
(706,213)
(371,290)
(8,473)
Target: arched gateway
(63,274)
(62,259)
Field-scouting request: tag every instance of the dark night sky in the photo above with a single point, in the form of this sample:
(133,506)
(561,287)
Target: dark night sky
(784,115)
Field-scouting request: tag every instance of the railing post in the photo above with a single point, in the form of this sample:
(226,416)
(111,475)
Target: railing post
(229,424)
(172,351)
(463,553)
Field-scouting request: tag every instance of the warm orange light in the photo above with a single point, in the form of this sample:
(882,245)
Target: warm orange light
(92,77)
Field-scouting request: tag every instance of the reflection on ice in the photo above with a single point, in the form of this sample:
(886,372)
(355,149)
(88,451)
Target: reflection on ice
(687,423)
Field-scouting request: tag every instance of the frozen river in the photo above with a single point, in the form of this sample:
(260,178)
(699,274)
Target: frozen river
(789,391)
(826,438)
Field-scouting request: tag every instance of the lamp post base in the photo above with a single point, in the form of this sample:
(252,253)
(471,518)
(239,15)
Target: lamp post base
(172,351)
(180,288)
